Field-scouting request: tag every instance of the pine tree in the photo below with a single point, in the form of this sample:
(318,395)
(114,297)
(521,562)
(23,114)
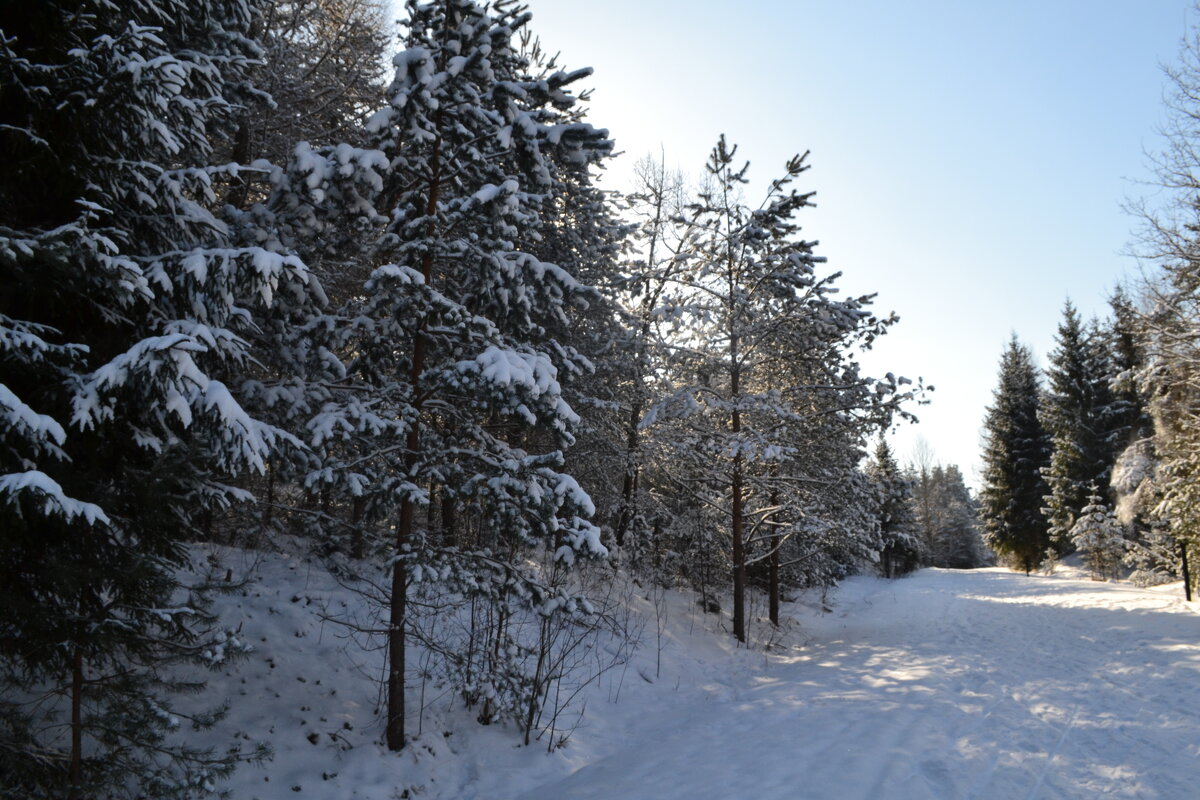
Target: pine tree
(764,381)
(659,234)
(129,316)
(458,341)
(901,547)
(1016,449)
(1076,411)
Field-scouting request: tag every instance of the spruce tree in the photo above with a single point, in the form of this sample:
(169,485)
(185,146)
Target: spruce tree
(1099,536)
(1129,419)
(1076,410)
(126,326)
(1016,449)
(900,552)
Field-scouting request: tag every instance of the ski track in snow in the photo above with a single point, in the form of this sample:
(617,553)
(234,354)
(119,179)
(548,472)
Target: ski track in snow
(979,685)
(982,684)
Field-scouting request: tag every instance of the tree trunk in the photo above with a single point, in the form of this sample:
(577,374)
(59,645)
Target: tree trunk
(773,562)
(1187,575)
(76,769)
(736,488)
(449,521)
(739,554)
(629,484)
(404,527)
(396,640)
(357,543)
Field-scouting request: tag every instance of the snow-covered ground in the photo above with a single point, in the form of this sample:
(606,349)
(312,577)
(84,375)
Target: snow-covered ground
(945,684)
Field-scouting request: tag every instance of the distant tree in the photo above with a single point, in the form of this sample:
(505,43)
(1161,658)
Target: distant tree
(956,536)
(321,71)
(901,550)
(1016,449)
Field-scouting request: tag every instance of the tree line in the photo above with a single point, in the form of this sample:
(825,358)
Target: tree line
(1097,453)
(258,285)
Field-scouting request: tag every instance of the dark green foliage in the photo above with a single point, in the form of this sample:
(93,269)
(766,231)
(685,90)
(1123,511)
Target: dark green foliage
(947,517)
(127,309)
(1016,449)
(901,550)
(1076,412)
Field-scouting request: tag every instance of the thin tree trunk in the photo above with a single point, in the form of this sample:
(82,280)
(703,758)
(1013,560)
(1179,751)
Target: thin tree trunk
(76,769)
(736,489)
(1187,575)
(739,555)
(270,517)
(629,484)
(449,521)
(357,544)
(396,640)
(773,561)
(404,527)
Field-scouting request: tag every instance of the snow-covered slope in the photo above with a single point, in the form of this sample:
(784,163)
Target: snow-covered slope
(945,684)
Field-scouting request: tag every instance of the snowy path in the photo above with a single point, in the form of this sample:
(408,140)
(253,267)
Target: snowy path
(981,684)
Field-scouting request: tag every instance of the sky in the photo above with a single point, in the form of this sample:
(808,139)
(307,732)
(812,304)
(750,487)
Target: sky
(970,159)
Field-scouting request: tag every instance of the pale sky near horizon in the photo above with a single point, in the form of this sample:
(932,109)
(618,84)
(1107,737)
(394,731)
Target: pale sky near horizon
(970,158)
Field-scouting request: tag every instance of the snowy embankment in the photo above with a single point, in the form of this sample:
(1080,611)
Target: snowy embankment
(981,684)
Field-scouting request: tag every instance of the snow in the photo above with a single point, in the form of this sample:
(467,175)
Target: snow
(946,684)
(27,422)
(54,499)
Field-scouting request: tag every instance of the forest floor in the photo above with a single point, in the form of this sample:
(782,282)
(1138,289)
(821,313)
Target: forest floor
(944,684)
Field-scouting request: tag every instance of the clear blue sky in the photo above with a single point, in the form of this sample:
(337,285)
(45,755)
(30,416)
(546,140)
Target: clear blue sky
(970,158)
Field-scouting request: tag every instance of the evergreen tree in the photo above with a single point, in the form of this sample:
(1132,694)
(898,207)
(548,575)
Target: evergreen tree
(1076,410)
(901,550)
(457,343)
(947,517)
(1129,418)
(764,379)
(1016,449)
(958,543)
(130,312)
(1100,538)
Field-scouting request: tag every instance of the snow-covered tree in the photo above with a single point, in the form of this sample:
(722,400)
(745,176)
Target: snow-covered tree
(901,550)
(1076,412)
(322,68)
(762,366)
(454,347)
(1168,321)
(947,516)
(659,236)
(129,317)
(1016,449)
(1100,538)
